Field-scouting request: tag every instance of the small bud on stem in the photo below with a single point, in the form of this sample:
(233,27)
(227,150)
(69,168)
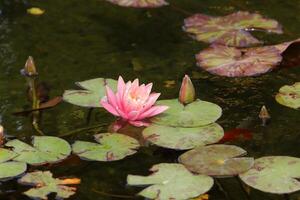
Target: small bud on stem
(187,91)
(264,115)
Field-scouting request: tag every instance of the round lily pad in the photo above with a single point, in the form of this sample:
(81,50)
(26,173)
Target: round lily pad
(44,185)
(171,181)
(94,91)
(10,169)
(230,30)
(217,160)
(183,138)
(110,147)
(45,149)
(289,95)
(198,113)
(274,174)
(234,62)
(140,3)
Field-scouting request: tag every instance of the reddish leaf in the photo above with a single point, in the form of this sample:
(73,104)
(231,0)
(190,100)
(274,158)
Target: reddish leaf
(236,134)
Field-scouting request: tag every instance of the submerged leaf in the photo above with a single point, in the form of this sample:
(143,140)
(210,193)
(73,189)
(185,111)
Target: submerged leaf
(94,91)
(230,30)
(237,134)
(171,181)
(289,95)
(274,174)
(46,149)
(35,11)
(140,3)
(217,160)
(183,138)
(45,184)
(197,113)
(110,147)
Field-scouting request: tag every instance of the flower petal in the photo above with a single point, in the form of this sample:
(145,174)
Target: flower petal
(139,123)
(155,110)
(109,108)
(111,97)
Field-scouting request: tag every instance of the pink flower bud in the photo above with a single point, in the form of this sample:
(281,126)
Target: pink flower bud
(30,69)
(187,91)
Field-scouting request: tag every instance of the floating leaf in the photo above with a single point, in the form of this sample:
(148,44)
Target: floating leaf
(46,149)
(198,113)
(289,95)
(274,174)
(94,91)
(183,138)
(171,181)
(10,169)
(230,30)
(217,160)
(35,11)
(140,3)
(110,147)
(45,184)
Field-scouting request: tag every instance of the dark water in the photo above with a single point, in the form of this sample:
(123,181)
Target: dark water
(77,40)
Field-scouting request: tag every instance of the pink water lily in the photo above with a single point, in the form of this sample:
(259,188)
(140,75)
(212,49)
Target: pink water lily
(132,102)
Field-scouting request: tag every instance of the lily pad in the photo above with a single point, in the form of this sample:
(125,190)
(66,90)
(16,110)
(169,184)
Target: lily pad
(289,95)
(45,149)
(140,3)
(183,138)
(217,160)
(45,184)
(94,91)
(110,147)
(171,181)
(10,169)
(230,30)
(274,174)
(198,113)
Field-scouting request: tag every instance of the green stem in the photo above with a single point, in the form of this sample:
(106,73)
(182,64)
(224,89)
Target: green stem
(243,188)
(226,195)
(114,195)
(80,130)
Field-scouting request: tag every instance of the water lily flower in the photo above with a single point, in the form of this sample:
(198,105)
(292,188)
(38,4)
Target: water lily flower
(132,102)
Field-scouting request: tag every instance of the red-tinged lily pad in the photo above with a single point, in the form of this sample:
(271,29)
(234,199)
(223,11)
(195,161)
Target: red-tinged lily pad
(45,149)
(171,181)
(139,3)
(44,184)
(230,30)
(92,93)
(195,114)
(110,147)
(217,160)
(237,134)
(8,168)
(289,95)
(183,138)
(274,174)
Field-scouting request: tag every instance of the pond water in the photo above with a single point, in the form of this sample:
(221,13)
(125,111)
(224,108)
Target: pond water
(77,40)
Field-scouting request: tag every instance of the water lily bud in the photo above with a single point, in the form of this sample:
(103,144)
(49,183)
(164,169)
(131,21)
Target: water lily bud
(1,135)
(30,69)
(187,91)
(264,115)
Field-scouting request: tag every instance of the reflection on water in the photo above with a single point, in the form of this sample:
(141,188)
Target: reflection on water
(78,40)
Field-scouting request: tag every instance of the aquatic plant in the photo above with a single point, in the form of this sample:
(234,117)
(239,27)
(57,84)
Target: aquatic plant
(132,102)
(139,3)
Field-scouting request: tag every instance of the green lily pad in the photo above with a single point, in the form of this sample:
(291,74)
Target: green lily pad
(45,184)
(45,149)
(94,91)
(110,147)
(10,169)
(289,95)
(230,30)
(183,138)
(217,160)
(171,181)
(274,174)
(198,113)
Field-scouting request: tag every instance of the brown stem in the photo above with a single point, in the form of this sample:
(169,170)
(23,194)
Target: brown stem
(114,195)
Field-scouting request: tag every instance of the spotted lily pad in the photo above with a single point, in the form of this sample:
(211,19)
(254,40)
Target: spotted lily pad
(45,149)
(140,3)
(289,95)
(171,181)
(230,30)
(217,160)
(45,184)
(8,168)
(274,174)
(110,147)
(92,93)
(198,113)
(183,138)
